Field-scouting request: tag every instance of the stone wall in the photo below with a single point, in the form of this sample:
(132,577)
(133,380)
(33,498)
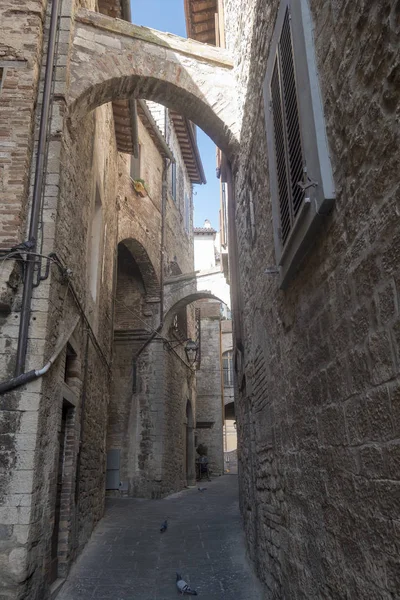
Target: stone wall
(147,411)
(229,431)
(318,410)
(209,407)
(53,430)
(179,390)
(20,59)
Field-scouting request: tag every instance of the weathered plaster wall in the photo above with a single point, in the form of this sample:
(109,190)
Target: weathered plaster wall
(318,413)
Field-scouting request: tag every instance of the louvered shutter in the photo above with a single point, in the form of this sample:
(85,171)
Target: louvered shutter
(289,157)
(296,138)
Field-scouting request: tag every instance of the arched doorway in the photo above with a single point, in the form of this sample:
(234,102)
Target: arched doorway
(130,421)
(190,451)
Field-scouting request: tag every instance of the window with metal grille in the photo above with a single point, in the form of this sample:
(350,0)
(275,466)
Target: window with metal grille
(227,367)
(301,181)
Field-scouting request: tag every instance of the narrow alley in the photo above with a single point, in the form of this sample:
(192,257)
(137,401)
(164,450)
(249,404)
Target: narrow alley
(200,276)
(128,558)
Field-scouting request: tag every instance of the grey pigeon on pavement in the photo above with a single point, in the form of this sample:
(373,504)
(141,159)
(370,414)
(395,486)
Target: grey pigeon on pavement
(184,587)
(164,526)
(202,489)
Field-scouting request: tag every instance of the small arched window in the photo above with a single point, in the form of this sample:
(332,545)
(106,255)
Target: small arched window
(227,367)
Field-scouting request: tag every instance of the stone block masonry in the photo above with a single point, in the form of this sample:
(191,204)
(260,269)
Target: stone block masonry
(20,58)
(54,430)
(103,50)
(209,413)
(318,418)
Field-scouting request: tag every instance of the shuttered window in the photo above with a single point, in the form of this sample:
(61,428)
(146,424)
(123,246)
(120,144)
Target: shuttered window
(227,367)
(301,181)
(289,158)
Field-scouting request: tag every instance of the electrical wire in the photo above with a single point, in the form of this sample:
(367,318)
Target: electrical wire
(55,260)
(154,331)
(65,272)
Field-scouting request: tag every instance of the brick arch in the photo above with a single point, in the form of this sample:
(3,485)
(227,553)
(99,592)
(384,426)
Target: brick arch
(147,271)
(188,299)
(113,59)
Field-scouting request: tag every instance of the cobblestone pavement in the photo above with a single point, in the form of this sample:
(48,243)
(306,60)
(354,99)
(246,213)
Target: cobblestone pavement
(128,558)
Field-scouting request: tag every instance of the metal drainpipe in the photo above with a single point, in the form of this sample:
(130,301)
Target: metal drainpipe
(37,193)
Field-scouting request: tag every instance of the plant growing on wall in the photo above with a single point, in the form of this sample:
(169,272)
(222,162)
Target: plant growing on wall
(140,187)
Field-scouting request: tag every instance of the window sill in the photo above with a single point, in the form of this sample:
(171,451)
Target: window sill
(301,240)
(304,209)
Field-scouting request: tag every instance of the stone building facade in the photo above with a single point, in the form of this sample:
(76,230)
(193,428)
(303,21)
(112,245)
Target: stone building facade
(114,406)
(313,268)
(229,431)
(209,391)
(316,317)
(215,398)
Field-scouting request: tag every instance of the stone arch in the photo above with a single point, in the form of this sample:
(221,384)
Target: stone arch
(113,59)
(188,299)
(147,271)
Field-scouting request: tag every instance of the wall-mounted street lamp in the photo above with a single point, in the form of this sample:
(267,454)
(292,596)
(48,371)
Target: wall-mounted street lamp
(191,350)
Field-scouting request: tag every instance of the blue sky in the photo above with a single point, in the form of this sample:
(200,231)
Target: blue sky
(168,15)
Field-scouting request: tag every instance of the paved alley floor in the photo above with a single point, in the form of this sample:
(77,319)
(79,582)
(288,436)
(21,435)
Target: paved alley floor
(128,558)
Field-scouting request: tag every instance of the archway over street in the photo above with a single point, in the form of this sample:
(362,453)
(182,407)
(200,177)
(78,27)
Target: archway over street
(113,59)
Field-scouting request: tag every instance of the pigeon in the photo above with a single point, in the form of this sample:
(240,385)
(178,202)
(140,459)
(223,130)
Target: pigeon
(202,489)
(184,587)
(164,526)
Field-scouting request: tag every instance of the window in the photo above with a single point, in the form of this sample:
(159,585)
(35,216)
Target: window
(173,181)
(301,181)
(227,367)
(95,245)
(1,77)
(187,213)
(135,165)
(224,215)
